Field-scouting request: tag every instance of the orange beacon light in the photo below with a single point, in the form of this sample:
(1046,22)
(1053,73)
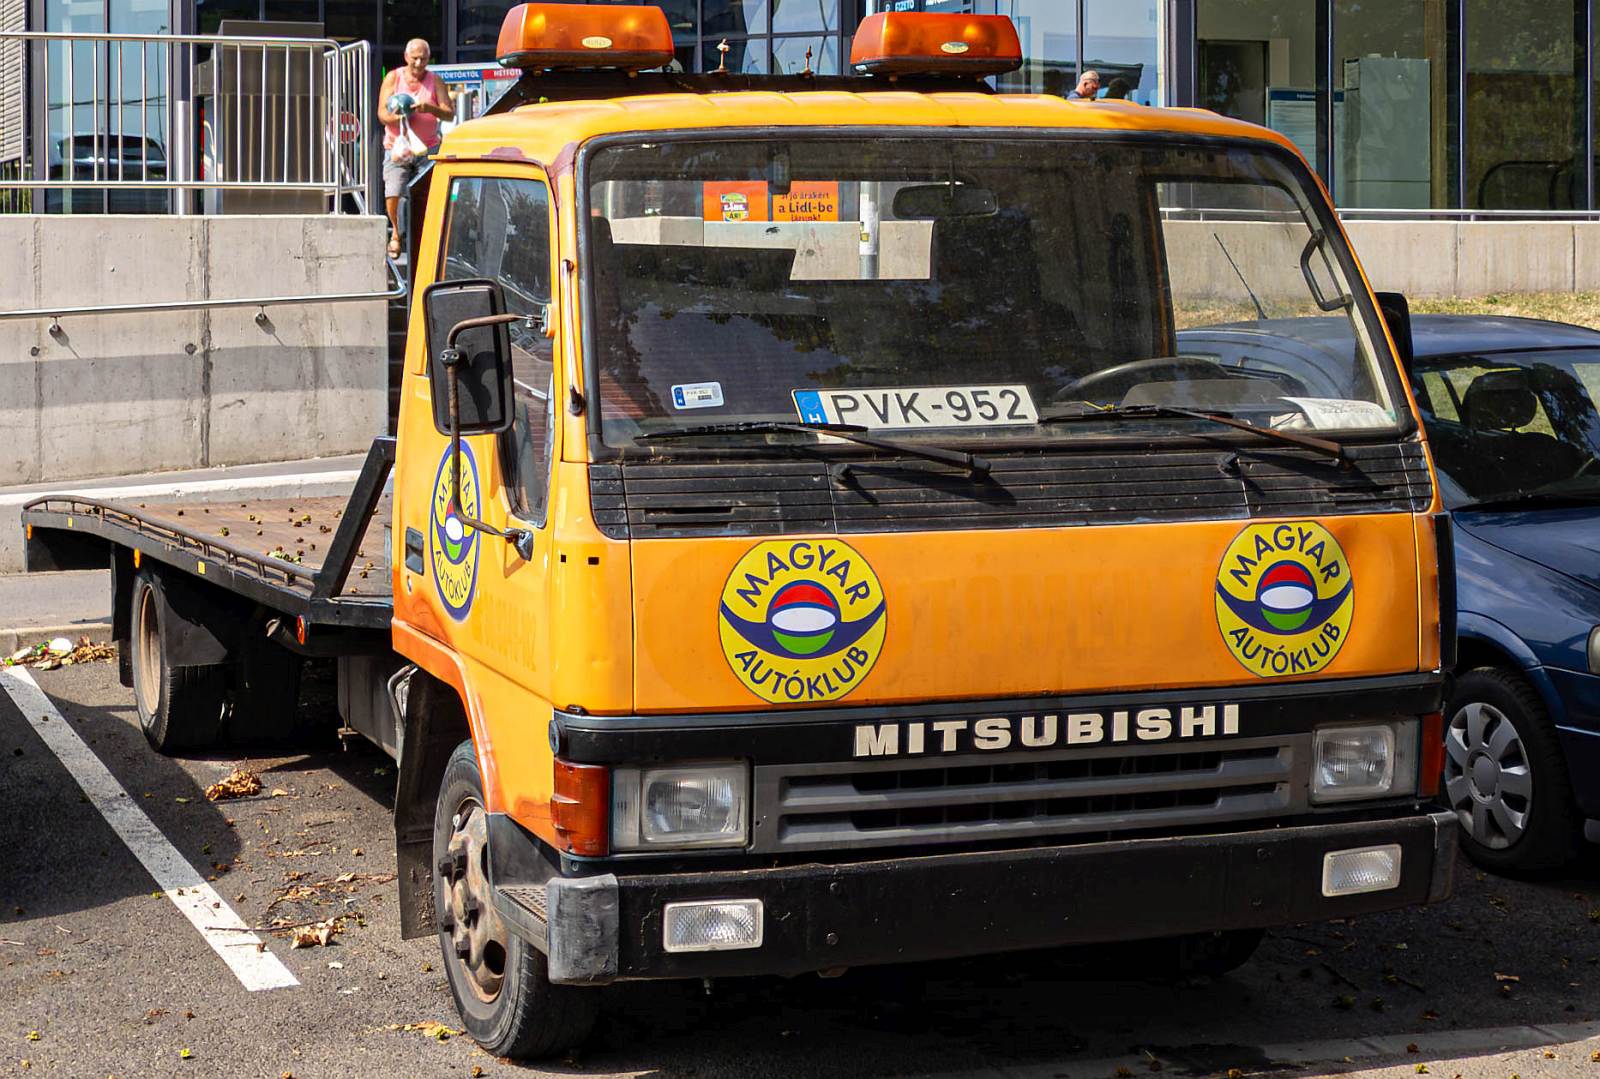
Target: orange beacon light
(920,43)
(632,37)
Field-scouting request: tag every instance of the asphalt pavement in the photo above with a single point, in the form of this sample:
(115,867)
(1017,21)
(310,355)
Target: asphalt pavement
(102,973)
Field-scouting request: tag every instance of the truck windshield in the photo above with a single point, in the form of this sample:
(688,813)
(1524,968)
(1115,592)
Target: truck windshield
(965,289)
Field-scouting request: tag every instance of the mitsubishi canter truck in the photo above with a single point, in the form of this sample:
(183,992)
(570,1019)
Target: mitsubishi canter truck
(818,535)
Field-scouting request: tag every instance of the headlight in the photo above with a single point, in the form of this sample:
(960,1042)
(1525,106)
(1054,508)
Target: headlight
(1374,761)
(1594,650)
(694,805)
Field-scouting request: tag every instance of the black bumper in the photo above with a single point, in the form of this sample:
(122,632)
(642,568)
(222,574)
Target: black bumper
(942,906)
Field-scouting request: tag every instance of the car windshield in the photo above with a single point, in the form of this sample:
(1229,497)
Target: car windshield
(1513,427)
(963,288)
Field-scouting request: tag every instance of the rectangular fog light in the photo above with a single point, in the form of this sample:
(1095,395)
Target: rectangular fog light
(716,925)
(1365,869)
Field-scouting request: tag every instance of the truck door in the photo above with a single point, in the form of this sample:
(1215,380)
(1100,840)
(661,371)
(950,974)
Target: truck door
(498,223)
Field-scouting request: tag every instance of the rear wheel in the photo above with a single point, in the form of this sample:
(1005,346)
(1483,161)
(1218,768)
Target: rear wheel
(500,982)
(179,707)
(1505,775)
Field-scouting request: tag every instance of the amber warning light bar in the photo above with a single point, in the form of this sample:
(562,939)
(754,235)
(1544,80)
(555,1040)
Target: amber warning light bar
(565,37)
(922,43)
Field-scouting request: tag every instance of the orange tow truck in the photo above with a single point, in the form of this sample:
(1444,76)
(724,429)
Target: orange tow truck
(823,531)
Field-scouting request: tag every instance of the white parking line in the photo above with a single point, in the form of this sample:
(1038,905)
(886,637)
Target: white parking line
(222,928)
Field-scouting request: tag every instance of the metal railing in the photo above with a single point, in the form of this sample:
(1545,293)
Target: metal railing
(192,112)
(55,314)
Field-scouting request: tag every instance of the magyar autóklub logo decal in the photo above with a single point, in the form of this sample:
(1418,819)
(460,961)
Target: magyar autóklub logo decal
(452,546)
(1284,598)
(802,621)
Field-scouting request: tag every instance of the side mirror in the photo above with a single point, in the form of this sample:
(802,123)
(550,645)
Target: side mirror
(480,370)
(1397,313)
(469,371)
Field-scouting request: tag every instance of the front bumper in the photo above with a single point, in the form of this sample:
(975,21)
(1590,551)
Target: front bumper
(897,910)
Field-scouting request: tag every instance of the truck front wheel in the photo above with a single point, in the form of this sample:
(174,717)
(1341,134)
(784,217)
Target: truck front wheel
(179,707)
(500,982)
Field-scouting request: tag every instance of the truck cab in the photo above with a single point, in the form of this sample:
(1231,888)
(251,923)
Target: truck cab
(880,579)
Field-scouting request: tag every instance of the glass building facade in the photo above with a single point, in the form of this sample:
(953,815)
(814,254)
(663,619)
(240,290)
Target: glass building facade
(1420,105)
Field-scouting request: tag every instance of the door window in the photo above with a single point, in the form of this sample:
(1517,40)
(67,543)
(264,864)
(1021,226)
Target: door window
(499,228)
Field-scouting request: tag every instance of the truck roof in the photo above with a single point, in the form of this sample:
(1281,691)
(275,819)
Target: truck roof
(546,130)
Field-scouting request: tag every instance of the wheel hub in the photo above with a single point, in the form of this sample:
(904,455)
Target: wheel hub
(1485,773)
(476,938)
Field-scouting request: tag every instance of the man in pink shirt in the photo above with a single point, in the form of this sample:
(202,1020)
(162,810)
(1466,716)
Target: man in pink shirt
(415,96)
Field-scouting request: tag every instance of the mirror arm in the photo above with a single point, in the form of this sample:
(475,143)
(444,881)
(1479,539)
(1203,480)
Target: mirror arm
(520,538)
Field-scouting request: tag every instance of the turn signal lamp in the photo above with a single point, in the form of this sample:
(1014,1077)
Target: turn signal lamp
(578,807)
(924,43)
(547,37)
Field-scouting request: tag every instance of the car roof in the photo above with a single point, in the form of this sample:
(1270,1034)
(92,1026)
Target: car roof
(1431,335)
(1448,335)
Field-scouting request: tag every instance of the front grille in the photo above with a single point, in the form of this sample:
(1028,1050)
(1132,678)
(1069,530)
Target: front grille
(915,802)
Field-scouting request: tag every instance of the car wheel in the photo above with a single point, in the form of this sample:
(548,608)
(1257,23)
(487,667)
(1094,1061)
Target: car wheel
(500,982)
(1505,776)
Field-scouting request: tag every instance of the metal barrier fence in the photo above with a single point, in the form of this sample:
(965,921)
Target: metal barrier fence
(237,118)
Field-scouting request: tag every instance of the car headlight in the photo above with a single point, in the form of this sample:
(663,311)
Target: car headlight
(1594,650)
(691,805)
(1376,760)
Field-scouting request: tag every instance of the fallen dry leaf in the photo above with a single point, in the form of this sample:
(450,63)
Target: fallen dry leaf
(236,784)
(313,936)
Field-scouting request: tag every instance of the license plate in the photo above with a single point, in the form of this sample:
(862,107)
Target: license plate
(905,407)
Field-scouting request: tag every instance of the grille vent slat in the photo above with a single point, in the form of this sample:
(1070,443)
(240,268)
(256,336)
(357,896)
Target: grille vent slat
(921,801)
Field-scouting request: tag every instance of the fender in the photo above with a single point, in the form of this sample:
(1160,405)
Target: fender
(1472,626)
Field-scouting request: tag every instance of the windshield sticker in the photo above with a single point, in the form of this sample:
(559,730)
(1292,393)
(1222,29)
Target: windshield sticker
(910,407)
(697,395)
(452,546)
(1285,598)
(802,621)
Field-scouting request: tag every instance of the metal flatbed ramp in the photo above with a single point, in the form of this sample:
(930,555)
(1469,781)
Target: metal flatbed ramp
(323,559)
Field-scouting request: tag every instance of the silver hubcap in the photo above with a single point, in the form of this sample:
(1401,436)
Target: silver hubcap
(474,936)
(1486,775)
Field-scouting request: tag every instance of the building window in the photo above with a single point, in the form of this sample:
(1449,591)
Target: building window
(1524,79)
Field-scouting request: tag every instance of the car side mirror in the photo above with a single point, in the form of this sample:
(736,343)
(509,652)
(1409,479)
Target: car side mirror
(469,373)
(1396,312)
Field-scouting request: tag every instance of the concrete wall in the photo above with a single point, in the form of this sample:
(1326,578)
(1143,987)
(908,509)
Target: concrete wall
(118,394)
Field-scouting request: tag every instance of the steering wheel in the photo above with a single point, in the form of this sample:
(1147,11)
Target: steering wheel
(1117,381)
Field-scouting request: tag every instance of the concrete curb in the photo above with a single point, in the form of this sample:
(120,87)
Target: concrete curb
(24,636)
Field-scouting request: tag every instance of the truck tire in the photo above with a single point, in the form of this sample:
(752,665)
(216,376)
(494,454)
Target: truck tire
(500,982)
(1506,777)
(179,707)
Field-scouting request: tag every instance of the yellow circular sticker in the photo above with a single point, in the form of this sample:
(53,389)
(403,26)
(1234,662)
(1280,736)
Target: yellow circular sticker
(1284,598)
(802,621)
(452,546)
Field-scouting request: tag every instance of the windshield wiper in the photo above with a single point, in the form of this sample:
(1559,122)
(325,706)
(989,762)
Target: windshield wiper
(1324,446)
(850,432)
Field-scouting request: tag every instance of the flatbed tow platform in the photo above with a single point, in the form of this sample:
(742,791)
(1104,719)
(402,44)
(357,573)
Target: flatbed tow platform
(320,560)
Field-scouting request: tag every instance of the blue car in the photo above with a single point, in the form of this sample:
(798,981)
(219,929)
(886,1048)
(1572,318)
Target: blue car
(1509,407)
